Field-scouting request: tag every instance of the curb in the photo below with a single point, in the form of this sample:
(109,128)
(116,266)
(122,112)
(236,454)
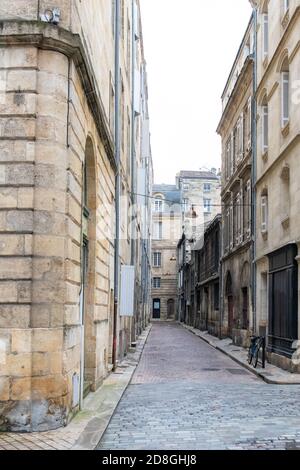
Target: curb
(247,366)
(90,437)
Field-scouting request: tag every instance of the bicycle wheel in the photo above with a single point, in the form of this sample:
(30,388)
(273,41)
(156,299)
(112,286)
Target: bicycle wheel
(250,355)
(256,355)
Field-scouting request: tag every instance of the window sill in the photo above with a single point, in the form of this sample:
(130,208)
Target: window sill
(285,130)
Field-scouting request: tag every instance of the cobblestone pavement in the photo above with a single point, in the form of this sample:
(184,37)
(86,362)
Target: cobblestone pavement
(187,395)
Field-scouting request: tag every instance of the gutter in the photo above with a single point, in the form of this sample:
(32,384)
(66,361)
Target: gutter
(117,184)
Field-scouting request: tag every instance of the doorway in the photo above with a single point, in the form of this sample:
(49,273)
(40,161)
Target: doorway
(171,309)
(230,304)
(156,309)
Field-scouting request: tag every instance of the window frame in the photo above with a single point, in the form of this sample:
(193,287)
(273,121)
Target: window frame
(157,259)
(285,99)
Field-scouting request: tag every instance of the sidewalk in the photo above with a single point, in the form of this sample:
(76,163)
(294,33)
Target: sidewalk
(271,374)
(87,428)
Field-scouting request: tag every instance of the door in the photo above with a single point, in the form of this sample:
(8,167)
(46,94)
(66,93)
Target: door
(283,301)
(230,314)
(171,309)
(156,309)
(245,320)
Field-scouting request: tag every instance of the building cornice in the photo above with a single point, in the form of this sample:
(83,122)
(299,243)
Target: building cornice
(53,38)
(248,67)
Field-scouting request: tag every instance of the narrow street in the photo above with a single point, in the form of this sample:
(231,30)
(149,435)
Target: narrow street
(187,395)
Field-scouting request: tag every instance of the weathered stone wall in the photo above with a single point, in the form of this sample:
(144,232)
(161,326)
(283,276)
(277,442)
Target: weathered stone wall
(45,123)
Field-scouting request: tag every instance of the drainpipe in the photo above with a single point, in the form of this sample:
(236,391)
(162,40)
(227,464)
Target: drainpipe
(254,172)
(117,183)
(133,156)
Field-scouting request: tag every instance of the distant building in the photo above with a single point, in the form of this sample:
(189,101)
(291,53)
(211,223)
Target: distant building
(167,226)
(200,199)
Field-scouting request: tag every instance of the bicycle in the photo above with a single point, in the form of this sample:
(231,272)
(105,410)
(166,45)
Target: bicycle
(257,344)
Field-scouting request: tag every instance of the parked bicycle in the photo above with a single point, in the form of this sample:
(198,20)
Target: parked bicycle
(257,350)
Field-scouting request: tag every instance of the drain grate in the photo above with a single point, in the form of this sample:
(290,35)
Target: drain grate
(237,371)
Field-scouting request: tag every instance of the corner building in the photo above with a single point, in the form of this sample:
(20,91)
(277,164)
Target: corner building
(57,199)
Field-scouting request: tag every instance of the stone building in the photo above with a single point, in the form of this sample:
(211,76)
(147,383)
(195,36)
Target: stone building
(200,200)
(68,122)
(235,129)
(277,189)
(167,226)
(208,279)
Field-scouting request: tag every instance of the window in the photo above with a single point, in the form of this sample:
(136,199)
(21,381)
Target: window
(207,187)
(207,205)
(156,283)
(158,205)
(186,186)
(265,19)
(264,213)
(237,220)
(157,260)
(158,228)
(285,94)
(228,158)
(216,296)
(248,125)
(247,209)
(265,126)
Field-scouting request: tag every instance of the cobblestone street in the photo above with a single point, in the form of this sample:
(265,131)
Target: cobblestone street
(187,395)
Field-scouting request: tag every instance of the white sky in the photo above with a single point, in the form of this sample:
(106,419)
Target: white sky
(190,47)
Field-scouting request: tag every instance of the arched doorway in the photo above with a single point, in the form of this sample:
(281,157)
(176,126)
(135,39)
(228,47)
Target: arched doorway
(171,309)
(230,305)
(87,296)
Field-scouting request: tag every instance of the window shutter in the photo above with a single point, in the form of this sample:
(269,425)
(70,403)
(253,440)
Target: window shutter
(249,137)
(265,128)
(285,97)
(264,214)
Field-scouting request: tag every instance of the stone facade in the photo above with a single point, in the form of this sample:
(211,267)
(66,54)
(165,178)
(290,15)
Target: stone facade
(235,129)
(57,196)
(167,212)
(277,179)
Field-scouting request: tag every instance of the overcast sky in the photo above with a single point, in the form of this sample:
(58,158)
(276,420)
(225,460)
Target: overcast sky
(190,47)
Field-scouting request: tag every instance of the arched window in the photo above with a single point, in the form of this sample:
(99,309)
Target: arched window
(265,125)
(285,93)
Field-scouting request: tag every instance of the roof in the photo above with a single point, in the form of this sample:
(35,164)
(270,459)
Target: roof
(198,175)
(169,191)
